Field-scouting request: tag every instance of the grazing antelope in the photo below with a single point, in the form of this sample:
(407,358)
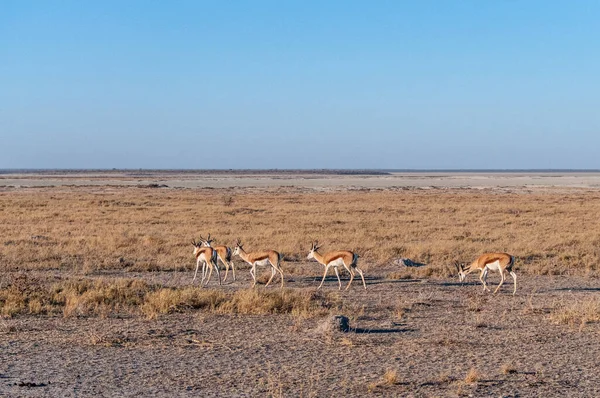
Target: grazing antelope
(489,262)
(334,259)
(208,257)
(223,254)
(260,258)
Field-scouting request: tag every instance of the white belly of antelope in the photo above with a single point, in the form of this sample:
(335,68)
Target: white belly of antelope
(262,262)
(336,263)
(495,266)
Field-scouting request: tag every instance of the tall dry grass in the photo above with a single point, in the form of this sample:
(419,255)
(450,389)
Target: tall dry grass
(577,312)
(85,229)
(106,297)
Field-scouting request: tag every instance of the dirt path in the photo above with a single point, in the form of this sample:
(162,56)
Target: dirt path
(430,332)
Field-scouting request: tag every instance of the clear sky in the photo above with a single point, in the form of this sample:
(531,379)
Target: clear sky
(300,84)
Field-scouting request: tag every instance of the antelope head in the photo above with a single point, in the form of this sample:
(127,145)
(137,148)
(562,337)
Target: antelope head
(313,248)
(238,247)
(461,271)
(206,242)
(197,245)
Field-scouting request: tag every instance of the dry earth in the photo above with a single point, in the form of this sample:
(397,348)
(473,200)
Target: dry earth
(413,333)
(431,333)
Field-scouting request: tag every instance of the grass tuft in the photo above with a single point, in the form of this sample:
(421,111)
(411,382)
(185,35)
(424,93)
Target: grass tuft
(473,376)
(390,377)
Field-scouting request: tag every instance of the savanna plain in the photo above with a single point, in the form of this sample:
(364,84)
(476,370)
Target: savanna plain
(97,299)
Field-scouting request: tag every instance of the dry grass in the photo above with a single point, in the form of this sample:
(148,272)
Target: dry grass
(576,313)
(508,368)
(100,297)
(473,376)
(85,230)
(164,301)
(390,377)
(82,231)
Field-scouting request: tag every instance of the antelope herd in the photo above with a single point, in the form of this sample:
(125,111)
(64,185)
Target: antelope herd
(209,255)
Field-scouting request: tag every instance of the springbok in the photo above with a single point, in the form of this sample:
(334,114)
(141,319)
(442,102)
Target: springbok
(500,262)
(334,259)
(208,257)
(260,258)
(223,254)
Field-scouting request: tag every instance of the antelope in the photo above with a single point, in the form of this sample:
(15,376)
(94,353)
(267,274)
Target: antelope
(223,254)
(500,262)
(260,258)
(334,259)
(208,257)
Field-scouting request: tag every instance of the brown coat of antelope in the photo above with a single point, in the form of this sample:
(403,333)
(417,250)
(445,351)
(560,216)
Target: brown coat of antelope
(501,262)
(260,258)
(223,254)
(208,257)
(334,259)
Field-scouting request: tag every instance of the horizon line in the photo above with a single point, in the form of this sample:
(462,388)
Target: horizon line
(352,170)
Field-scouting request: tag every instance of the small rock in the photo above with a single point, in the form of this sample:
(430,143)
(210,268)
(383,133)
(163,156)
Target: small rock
(341,323)
(407,262)
(336,323)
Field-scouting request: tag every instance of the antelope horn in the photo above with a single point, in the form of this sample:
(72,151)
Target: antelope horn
(458,266)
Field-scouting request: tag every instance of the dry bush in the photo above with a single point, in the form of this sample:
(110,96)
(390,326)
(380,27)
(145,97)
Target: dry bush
(508,368)
(164,301)
(100,297)
(390,377)
(145,229)
(24,294)
(300,302)
(576,312)
(473,376)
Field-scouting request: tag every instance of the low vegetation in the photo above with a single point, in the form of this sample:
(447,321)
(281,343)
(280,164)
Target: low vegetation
(473,376)
(576,313)
(107,297)
(140,229)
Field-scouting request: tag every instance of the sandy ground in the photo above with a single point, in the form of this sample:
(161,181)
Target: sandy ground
(312,181)
(431,332)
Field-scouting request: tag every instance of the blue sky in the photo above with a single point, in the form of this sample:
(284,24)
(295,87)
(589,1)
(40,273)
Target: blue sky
(299,84)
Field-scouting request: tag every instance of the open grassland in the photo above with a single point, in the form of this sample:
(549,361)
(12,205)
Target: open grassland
(96,296)
(151,229)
